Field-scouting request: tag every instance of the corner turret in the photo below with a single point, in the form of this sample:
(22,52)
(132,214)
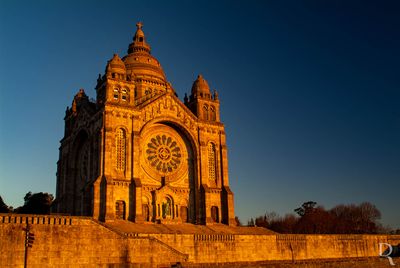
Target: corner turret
(202,103)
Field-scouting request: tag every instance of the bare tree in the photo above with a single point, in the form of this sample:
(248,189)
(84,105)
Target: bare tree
(313,219)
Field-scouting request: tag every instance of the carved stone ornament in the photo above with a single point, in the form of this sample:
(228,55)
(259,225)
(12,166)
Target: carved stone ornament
(163,153)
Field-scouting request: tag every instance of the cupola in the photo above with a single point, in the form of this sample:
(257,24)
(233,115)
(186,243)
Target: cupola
(139,62)
(200,88)
(116,67)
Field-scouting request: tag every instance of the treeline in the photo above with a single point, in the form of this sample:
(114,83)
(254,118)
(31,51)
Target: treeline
(312,219)
(37,203)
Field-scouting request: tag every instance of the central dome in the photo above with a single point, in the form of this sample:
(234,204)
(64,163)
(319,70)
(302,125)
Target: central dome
(139,62)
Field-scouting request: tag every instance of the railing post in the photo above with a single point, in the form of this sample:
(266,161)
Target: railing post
(25,244)
(29,238)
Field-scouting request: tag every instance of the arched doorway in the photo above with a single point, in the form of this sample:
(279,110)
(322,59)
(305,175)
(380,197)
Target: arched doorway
(146,213)
(214,214)
(167,208)
(120,210)
(184,213)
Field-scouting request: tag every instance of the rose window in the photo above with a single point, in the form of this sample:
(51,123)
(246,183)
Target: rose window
(163,154)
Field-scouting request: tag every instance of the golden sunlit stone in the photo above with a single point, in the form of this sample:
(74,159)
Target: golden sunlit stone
(139,153)
(155,171)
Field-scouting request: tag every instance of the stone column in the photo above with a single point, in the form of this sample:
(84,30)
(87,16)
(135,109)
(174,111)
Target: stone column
(96,198)
(110,202)
(137,213)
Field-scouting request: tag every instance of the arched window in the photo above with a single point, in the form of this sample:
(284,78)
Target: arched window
(121,149)
(124,94)
(84,162)
(205,112)
(213,116)
(116,93)
(212,161)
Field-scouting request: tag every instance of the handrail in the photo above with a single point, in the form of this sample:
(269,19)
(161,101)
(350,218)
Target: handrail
(136,236)
(186,256)
(109,228)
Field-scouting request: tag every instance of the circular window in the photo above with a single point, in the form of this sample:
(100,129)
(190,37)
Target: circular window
(163,153)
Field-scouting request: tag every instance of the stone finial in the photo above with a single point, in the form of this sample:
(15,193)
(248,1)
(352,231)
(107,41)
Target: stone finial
(215,95)
(139,25)
(74,106)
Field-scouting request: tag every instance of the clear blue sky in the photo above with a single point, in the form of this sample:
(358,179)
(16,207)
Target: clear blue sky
(310,90)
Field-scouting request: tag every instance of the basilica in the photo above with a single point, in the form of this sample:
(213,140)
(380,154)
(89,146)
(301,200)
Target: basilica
(139,153)
(150,174)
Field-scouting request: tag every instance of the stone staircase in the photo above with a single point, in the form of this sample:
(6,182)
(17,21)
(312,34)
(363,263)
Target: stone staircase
(128,235)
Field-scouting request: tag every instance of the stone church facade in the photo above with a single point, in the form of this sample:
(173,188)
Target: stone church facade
(138,153)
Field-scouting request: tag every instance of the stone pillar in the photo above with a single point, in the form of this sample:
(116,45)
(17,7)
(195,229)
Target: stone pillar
(96,199)
(110,202)
(228,211)
(207,204)
(137,213)
(227,206)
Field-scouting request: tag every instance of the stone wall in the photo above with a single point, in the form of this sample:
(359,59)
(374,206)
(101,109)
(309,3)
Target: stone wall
(242,248)
(80,241)
(342,263)
(76,241)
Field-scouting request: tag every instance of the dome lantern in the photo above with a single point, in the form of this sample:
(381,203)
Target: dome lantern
(139,62)
(139,41)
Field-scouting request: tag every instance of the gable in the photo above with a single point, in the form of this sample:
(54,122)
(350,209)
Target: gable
(168,105)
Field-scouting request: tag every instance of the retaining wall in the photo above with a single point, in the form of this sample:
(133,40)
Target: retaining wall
(79,241)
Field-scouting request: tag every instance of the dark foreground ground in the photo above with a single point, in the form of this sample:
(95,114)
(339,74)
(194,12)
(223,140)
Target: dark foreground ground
(355,263)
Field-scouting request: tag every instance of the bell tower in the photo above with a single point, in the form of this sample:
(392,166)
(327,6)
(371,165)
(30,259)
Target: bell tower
(201,102)
(115,87)
(216,196)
